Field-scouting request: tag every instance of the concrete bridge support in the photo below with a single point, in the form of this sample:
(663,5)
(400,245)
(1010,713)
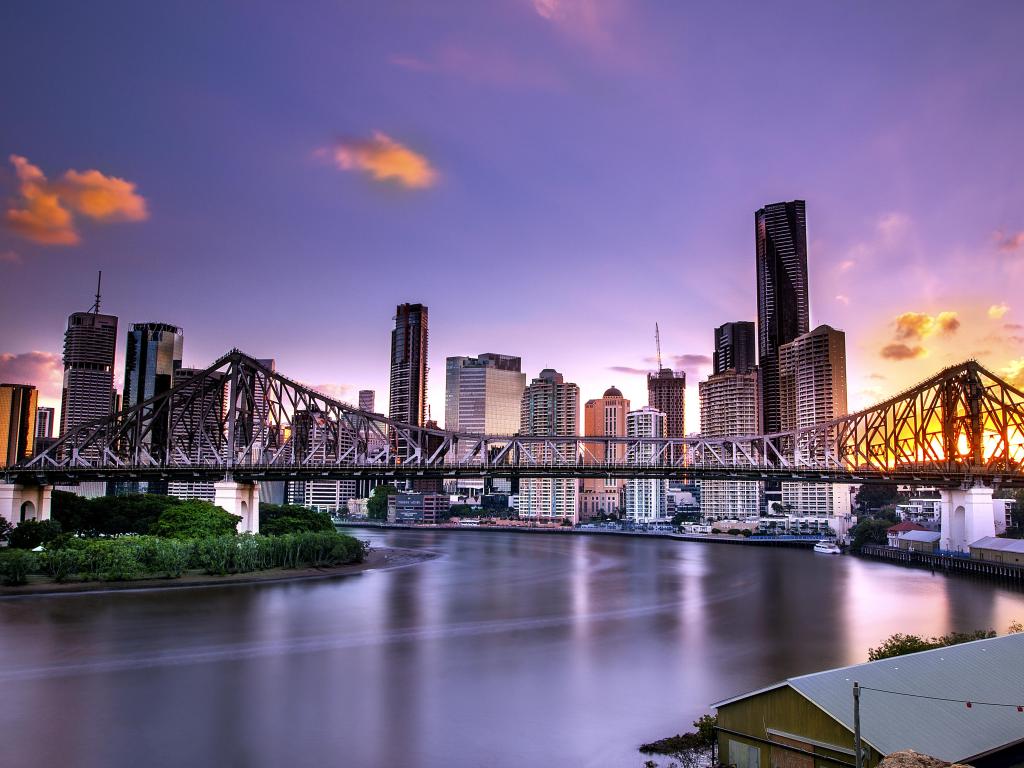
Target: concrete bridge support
(242,499)
(25,502)
(967,515)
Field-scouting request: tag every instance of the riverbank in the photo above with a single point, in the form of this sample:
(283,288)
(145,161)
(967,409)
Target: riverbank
(378,559)
(763,541)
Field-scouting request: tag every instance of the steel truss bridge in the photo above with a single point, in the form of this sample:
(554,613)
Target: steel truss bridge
(240,421)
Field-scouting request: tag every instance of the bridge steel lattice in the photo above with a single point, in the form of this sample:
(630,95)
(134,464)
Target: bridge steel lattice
(237,420)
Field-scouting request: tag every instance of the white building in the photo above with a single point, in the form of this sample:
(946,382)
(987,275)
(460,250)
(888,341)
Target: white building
(646,499)
(812,390)
(550,406)
(728,407)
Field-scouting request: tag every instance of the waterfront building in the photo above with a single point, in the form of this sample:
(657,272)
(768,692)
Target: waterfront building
(332,496)
(550,406)
(44,421)
(88,390)
(646,500)
(18,404)
(783,308)
(812,389)
(729,408)
(735,346)
(666,392)
(604,417)
(426,508)
(366,400)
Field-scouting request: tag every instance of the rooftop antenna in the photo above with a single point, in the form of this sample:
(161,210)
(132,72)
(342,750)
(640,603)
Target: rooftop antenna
(99,281)
(657,343)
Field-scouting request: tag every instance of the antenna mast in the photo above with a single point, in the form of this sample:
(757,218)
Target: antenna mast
(99,281)
(657,343)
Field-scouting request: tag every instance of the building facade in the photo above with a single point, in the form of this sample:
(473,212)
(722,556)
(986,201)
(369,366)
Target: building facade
(646,500)
(88,390)
(728,408)
(783,307)
(812,377)
(666,392)
(44,421)
(424,508)
(735,347)
(550,406)
(18,404)
(604,417)
(407,398)
(367,400)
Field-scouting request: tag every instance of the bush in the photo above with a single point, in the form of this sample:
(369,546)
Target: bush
(31,533)
(195,520)
(746,532)
(16,565)
(277,519)
(735,531)
(716,530)
(62,564)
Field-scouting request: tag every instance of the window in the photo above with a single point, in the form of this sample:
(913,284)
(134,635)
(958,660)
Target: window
(743,755)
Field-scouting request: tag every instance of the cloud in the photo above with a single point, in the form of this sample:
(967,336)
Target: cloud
(1014,326)
(384,159)
(628,370)
(340,392)
(1014,372)
(10,257)
(876,377)
(1008,242)
(44,212)
(691,361)
(842,298)
(846,265)
(45,370)
(903,352)
(917,325)
(489,67)
(996,311)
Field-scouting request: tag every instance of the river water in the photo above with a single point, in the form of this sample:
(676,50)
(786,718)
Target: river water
(510,649)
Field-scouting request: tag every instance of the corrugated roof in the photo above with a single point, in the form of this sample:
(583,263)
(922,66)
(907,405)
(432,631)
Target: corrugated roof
(1003,545)
(906,525)
(984,670)
(926,536)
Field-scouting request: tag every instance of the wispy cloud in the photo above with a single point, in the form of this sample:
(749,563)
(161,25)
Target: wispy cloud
(996,311)
(10,257)
(484,67)
(1009,242)
(44,211)
(628,370)
(899,351)
(44,370)
(1014,372)
(386,160)
(842,298)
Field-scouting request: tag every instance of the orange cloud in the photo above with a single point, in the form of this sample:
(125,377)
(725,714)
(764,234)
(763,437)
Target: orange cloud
(1014,372)
(384,159)
(10,257)
(900,351)
(917,325)
(996,311)
(1009,242)
(44,212)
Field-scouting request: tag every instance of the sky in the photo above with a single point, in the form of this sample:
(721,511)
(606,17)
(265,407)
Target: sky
(551,177)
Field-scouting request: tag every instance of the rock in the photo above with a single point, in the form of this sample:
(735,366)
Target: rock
(908,758)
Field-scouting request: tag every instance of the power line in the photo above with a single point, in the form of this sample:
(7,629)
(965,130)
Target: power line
(968,702)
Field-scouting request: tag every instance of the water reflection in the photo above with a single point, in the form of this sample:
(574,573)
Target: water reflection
(509,650)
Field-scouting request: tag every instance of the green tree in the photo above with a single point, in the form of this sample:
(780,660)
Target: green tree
(195,519)
(377,506)
(109,515)
(900,644)
(877,495)
(5,528)
(277,519)
(870,531)
(691,749)
(31,533)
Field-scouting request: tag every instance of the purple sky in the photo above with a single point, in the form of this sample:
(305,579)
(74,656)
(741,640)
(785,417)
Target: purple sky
(551,177)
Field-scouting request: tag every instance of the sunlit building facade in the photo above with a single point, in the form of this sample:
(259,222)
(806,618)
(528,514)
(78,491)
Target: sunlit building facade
(550,406)
(88,390)
(18,403)
(646,499)
(666,392)
(604,417)
(728,408)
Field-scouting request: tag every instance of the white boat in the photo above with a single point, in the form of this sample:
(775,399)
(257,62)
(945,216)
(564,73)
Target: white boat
(827,547)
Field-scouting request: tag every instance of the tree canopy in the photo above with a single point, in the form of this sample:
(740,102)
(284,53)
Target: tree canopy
(900,644)
(377,506)
(195,519)
(109,515)
(877,496)
(870,531)
(278,519)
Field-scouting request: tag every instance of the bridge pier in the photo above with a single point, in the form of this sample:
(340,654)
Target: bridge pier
(967,515)
(24,502)
(242,499)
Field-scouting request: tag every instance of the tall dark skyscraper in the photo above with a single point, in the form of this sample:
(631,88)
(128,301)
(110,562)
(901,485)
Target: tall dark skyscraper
(407,399)
(783,309)
(89,344)
(734,347)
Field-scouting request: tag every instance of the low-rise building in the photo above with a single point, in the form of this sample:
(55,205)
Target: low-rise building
(996,550)
(919,541)
(809,720)
(893,533)
(426,508)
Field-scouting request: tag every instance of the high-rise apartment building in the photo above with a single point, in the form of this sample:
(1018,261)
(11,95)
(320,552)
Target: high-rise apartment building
(89,345)
(367,398)
(783,307)
(18,403)
(666,392)
(735,347)
(550,406)
(604,417)
(812,376)
(407,398)
(729,408)
(44,421)
(646,499)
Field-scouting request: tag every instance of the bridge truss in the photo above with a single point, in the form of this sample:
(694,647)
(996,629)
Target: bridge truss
(238,419)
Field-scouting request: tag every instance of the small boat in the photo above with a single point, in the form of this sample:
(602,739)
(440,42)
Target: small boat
(827,547)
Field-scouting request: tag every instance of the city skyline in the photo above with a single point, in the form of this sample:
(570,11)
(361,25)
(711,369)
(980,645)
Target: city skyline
(906,252)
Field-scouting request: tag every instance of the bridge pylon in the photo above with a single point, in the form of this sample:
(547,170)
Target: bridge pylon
(968,514)
(19,503)
(242,499)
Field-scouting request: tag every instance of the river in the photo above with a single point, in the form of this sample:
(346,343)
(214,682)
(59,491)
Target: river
(510,649)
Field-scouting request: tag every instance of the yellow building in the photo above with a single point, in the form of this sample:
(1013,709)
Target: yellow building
(18,403)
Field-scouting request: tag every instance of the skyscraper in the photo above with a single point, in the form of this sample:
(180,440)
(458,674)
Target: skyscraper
(812,376)
(604,417)
(44,421)
(483,394)
(407,398)
(18,404)
(783,308)
(735,347)
(550,406)
(666,392)
(152,356)
(728,408)
(89,345)
(366,400)
(646,498)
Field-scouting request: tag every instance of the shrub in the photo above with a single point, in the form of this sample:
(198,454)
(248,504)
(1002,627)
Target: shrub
(62,563)
(716,530)
(735,531)
(195,520)
(31,533)
(277,519)
(16,565)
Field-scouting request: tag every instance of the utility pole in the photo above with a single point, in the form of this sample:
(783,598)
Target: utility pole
(856,725)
